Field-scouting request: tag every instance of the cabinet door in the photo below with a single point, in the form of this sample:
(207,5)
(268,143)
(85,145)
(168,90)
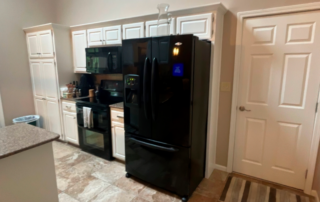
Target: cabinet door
(33,45)
(112,35)
(53,117)
(71,127)
(132,31)
(45,43)
(151,28)
(95,37)
(199,25)
(50,79)
(79,44)
(40,106)
(37,79)
(118,145)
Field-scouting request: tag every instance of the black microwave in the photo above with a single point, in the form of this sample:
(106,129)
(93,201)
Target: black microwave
(104,60)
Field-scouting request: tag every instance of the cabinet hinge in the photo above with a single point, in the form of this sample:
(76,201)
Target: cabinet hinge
(306,174)
(317,107)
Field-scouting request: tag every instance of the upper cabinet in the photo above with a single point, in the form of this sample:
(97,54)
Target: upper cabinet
(199,25)
(132,31)
(79,45)
(40,44)
(151,28)
(104,36)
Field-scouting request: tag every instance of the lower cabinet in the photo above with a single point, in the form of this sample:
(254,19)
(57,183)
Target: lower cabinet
(70,123)
(118,134)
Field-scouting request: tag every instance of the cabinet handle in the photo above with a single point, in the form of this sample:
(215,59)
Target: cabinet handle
(120,116)
(68,107)
(43,98)
(74,117)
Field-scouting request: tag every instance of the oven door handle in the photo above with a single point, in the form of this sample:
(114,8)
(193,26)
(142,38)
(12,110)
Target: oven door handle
(153,146)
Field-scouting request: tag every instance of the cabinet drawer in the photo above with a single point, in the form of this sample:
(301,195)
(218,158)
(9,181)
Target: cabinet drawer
(117,115)
(116,124)
(68,106)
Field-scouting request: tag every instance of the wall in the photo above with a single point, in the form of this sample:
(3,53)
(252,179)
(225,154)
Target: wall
(15,81)
(73,12)
(1,114)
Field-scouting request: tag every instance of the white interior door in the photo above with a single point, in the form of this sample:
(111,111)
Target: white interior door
(279,83)
(50,79)
(45,43)
(37,79)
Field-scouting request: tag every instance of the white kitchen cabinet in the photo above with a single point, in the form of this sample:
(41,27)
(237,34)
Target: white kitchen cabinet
(49,78)
(134,30)
(199,25)
(41,110)
(40,44)
(118,142)
(151,28)
(104,36)
(53,116)
(70,127)
(38,82)
(79,44)
(118,134)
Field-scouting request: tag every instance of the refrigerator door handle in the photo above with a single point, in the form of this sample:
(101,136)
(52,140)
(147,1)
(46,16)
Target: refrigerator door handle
(154,96)
(153,146)
(145,87)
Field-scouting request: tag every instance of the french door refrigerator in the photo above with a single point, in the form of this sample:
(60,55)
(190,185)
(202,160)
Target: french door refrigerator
(166,84)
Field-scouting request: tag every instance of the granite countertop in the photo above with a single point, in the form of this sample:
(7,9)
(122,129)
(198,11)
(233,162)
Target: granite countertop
(21,137)
(117,105)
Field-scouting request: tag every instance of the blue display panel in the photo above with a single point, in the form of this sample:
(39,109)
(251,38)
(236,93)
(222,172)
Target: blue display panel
(177,69)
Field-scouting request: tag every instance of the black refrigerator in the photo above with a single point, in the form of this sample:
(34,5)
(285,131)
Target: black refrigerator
(166,86)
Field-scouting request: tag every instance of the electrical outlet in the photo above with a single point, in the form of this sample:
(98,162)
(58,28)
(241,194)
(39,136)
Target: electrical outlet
(225,86)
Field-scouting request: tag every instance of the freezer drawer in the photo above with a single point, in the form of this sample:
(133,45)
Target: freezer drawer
(159,164)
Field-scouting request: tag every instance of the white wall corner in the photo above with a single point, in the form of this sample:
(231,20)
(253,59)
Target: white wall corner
(2,123)
(220,167)
(314,193)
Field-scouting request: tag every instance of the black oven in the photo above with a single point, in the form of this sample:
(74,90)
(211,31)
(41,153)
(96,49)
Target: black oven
(104,60)
(96,140)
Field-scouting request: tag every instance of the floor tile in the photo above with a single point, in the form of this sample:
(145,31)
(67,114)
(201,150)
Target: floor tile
(129,184)
(91,165)
(70,160)
(63,197)
(69,178)
(87,189)
(110,173)
(138,199)
(199,198)
(113,194)
(210,188)
(155,195)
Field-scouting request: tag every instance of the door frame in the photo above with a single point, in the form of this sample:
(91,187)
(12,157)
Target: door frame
(241,16)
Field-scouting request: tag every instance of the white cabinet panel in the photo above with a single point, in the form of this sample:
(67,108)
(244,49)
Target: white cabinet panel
(33,45)
(79,43)
(132,31)
(199,25)
(37,79)
(71,127)
(118,144)
(53,117)
(112,35)
(40,106)
(50,79)
(151,28)
(95,37)
(45,43)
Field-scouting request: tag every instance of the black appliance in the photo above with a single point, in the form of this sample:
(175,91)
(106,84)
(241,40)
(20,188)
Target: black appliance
(166,86)
(97,140)
(86,83)
(105,60)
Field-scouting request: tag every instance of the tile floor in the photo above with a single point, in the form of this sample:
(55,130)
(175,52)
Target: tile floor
(84,177)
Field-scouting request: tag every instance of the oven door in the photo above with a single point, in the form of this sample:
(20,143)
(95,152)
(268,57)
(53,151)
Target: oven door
(103,60)
(101,117)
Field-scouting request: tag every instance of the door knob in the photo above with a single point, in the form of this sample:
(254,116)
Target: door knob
(242,108)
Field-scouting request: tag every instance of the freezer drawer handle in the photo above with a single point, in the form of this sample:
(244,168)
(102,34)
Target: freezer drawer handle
(167,149)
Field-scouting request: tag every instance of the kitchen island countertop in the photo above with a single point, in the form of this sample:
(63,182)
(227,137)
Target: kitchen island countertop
(20,137)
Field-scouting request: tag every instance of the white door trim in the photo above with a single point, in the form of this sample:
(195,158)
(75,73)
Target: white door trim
(241,16)
(2,123)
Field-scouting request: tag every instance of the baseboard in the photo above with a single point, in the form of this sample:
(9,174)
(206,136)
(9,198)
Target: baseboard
(314,193)
(220,167)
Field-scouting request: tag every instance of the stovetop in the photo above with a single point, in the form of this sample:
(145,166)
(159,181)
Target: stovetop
(98,102)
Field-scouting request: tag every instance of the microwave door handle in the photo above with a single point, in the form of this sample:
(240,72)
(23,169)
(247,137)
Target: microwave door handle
(146,87)
(109,58)
(154,89)
(154,146)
